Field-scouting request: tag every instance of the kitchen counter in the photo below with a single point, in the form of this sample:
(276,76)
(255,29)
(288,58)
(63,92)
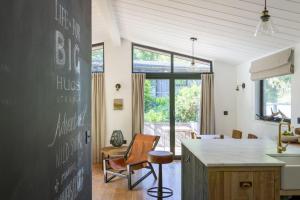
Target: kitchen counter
(233,152)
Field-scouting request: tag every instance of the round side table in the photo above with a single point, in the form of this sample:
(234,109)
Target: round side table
(160,158)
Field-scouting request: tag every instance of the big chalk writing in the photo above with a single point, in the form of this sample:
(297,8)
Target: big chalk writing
(67,139)
(67,55)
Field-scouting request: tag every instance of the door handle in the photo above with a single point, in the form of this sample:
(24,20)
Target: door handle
(87,136)
(188,159)
(245,185)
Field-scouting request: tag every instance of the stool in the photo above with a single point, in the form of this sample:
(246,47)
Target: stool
(160,157)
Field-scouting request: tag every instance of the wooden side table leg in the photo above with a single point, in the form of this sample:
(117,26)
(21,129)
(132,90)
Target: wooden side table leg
(102,157)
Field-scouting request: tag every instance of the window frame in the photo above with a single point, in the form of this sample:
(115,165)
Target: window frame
(97,45)
(170,74)
(261,105)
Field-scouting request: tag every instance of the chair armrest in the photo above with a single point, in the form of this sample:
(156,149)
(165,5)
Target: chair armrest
(114,157)
(138,163)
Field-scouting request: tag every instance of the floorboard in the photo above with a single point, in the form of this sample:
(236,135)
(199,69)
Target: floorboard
(117,189)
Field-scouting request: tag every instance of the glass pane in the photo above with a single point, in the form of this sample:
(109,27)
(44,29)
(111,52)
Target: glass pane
(151,61)
(187,110)
(157,111)
(97,59)
(277,95)
(184,64)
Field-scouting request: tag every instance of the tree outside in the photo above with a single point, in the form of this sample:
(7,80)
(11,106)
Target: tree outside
(277,94)
(156,108)
(187,103)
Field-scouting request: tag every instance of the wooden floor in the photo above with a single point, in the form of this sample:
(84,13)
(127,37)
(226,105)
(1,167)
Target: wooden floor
(117,189)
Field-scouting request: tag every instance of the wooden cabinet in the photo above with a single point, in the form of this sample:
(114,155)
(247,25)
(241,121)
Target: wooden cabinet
(187,175)
(244,183)
(227,183)
(194,177)
(238,185)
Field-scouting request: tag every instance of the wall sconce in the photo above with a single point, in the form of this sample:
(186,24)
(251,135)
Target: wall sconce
(118,86)
(243,85)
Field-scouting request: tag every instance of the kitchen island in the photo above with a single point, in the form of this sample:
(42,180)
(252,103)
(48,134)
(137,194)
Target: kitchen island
(231,169)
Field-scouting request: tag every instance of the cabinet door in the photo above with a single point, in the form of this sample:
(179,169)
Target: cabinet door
(264,185)
(215,185)
(238,185)
(200,180)
(187,175)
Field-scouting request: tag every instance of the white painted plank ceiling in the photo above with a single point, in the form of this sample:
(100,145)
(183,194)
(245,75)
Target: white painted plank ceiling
(224,28)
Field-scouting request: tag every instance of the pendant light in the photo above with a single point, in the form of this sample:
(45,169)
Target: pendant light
(193,65)
(265,25)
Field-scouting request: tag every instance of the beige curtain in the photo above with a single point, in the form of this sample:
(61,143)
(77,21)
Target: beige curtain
(98,116)
(138,81)
(207,105)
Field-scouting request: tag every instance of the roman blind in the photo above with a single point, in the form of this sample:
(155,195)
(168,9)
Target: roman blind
(278,64)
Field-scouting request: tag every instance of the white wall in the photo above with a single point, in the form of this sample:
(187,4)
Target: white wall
(246,102)
(118,70)
(225,97)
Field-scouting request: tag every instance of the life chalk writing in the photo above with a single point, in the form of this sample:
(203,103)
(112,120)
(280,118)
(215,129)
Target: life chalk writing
(7,102)
(68,99)
(67,138)
(67,150)
(4,68)
(66,84)
(62,18)
(66,125)
(68,172)
(74,187)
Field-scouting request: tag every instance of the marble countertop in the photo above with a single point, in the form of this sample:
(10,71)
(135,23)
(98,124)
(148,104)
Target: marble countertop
(233,152)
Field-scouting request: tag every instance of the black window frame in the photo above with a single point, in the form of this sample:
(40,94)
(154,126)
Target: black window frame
(97,45)
(261,115)
(171,74)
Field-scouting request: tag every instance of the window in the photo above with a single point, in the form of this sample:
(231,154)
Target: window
(156,61)
(148,60)
(98,58)
(183,64)
(275,96)
(172,94)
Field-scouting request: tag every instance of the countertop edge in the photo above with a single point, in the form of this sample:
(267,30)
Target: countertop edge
(275,163)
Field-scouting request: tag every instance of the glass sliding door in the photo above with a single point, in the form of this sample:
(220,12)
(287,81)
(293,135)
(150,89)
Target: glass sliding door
(157,111)
(182,97)
(187,110)
(172,93)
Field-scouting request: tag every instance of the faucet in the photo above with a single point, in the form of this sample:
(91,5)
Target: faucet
(280,147)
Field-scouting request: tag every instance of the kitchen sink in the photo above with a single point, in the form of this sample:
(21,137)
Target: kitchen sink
(290,173)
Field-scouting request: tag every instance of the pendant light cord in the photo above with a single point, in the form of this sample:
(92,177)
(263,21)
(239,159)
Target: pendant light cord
(265,4)
(193,51)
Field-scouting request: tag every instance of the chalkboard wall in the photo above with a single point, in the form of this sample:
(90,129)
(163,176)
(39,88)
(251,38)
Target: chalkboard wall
(45,52)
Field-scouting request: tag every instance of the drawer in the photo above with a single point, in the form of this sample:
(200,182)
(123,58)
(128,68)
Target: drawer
(238,185)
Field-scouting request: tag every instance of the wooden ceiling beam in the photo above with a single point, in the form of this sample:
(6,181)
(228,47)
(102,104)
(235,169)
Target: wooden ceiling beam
(106,7)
